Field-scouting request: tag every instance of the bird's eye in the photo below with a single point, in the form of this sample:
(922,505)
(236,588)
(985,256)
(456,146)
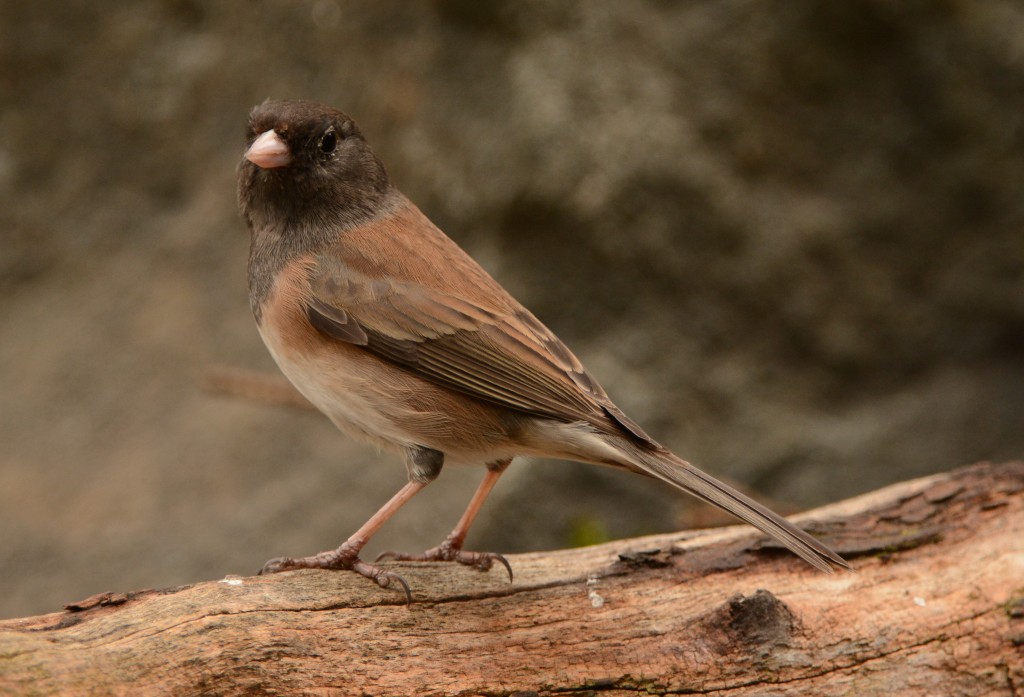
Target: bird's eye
(328,142)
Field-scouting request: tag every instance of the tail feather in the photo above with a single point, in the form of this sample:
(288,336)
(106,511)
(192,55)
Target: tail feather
(666,466)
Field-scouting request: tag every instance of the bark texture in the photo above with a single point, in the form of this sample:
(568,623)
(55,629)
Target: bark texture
(935,607)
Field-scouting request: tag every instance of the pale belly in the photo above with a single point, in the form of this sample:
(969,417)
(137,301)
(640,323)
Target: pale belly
(382,404)
(342,395)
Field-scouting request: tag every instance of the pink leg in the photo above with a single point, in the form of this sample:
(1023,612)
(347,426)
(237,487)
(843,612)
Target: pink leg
(451,548)
(347,555)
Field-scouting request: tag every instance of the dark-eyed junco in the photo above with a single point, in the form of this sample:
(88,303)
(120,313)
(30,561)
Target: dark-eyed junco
(401,339)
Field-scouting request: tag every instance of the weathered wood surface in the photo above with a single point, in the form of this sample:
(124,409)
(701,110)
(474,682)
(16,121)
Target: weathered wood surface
(935,607)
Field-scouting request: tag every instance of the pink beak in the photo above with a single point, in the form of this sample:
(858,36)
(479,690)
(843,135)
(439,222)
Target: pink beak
(269,151)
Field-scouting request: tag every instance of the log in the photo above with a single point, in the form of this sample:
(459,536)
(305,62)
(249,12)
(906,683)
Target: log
(934,607)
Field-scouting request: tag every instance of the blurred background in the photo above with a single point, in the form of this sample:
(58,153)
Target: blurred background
(785,235)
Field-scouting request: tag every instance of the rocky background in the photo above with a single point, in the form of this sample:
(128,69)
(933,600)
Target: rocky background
(787,236)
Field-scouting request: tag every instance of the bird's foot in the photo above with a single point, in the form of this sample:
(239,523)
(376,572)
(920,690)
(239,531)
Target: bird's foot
(450,551)
(346,558)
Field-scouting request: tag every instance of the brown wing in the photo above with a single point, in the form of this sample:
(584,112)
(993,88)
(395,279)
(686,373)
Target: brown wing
(505,358)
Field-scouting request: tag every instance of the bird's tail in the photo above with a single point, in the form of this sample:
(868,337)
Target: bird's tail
(666,466)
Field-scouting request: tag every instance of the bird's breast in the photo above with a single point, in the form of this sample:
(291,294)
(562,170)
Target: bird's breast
(370,398)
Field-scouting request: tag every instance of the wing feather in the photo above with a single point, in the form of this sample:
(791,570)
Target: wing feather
(505,358)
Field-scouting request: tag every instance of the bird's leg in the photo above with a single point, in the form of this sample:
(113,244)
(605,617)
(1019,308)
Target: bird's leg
(451,548)
(424,465)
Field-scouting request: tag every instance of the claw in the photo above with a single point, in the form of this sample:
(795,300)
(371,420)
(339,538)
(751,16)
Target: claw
(276,565)
(405,587)
(504,562)
(482,561)
(339,559)
(382,577)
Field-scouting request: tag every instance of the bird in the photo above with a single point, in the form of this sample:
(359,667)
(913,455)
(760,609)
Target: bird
(402,340)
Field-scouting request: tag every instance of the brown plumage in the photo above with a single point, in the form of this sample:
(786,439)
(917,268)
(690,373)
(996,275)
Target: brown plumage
(400,338)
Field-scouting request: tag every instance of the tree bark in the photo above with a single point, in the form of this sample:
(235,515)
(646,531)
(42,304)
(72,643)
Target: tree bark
(935,607)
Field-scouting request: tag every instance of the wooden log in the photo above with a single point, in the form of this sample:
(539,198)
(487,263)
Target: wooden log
(935,607)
